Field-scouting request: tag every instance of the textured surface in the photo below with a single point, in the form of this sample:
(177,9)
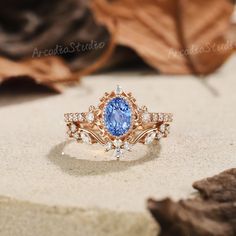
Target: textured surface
(19,218)
(201,144)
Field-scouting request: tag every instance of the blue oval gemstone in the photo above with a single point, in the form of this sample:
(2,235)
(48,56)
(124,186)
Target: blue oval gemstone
(117,117)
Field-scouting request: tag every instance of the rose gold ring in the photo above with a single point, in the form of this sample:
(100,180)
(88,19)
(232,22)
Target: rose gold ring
(117,123)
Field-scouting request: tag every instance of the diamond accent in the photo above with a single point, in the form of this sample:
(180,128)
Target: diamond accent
(117,153)
(69,132)
(146,117)
(166,118)
(150,137)
(66,117)
(159,135)
(108,146)
(160,117)
(162,128)
(73,128)
(127,146)
(155,117)
(75,117)
(117,143)
(70,117)
(85,137)
(90,117)
(76,136)
(118,90)
(80,117)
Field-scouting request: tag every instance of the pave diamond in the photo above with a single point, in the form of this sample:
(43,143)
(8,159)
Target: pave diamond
(155,117)
(166,117)
(146,117)
(117,116)
(75,117)
(66,117)
(150,137)
(70,117)
(160,116)
(80,117)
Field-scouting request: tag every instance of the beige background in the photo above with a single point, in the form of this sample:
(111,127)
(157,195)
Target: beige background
(36,174)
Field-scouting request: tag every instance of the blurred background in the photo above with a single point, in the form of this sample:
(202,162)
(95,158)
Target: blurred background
(78,49)
(57,42)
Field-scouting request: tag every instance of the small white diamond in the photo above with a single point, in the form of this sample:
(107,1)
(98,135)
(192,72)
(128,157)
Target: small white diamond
(127,146)
(70,117)
(85,137)
(76,135)
(117,143)
(117,153)
(159,135)
(150,137)
(66,117)
(73,128)
(90,117)
(118,90)
(69,133)
(167,131)
(80,117)
(108,146)
(155,117)
(162,128)
(146,117)
(166,117)
(161,117)
(75,117)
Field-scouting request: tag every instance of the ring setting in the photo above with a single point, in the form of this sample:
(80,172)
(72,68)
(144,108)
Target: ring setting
(117,123)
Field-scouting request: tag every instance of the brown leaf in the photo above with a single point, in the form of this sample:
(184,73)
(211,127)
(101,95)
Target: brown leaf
(39,26)
(214,215)
(43,71)
(173,36)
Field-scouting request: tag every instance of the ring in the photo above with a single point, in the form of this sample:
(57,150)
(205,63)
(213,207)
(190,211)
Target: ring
(117,123)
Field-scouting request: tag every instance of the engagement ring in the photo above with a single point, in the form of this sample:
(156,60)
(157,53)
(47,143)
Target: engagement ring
(117,123)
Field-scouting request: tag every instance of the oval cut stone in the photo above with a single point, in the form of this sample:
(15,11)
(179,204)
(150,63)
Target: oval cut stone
(117,116)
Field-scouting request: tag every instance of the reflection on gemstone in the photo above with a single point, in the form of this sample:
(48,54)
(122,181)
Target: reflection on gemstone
(117,116)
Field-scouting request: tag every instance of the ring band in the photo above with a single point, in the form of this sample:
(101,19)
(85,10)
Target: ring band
(117,123)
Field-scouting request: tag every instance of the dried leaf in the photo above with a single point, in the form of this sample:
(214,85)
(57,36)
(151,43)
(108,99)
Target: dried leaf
(212,214)
(175,37)
(27,27)
(43,71)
